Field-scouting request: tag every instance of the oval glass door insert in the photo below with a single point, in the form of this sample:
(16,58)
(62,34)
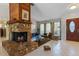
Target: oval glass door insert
(72,26)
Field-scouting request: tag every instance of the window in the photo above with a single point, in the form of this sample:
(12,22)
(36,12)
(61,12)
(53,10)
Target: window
(57,29)
(33,28)
(41,29)
(48,27)
(72,26)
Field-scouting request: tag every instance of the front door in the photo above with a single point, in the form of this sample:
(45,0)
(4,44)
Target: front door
(72,29)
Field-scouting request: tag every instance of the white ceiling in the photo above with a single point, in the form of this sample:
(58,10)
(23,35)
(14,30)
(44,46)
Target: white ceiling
(42,11)
(46,11)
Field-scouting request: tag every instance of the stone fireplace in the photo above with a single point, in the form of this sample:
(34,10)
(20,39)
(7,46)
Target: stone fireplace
(20,22)
(20,30)
(19,42)
(20,36)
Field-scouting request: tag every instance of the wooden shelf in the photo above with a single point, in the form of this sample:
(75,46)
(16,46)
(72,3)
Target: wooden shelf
(19,21)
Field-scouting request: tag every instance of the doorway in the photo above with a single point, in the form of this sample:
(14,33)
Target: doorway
(72,29)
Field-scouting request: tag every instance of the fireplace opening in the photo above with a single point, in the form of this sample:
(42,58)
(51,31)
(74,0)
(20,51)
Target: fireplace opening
(19,36)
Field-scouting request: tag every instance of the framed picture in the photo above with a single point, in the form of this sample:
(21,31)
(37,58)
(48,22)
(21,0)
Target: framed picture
(25,15)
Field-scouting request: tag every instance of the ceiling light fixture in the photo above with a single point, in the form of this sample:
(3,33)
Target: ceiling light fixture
(73,7)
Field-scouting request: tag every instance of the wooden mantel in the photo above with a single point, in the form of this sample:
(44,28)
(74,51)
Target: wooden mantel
(19,21)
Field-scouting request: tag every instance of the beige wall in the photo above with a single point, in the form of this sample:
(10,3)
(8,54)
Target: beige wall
(3,22)
(4,15)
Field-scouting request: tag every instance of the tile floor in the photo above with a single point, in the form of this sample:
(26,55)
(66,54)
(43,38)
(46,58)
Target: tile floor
(2,50)
(58,48)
